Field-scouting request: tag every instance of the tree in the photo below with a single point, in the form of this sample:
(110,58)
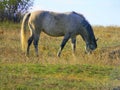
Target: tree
(13,9)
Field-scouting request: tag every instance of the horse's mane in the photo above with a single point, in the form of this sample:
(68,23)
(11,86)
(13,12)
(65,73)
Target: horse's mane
(81,15)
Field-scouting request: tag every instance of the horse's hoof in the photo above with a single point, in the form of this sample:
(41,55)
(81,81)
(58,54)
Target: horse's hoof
(26,55)
(58,55)
(37,55)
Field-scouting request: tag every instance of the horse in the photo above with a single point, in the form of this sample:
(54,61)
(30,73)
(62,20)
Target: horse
(68,24)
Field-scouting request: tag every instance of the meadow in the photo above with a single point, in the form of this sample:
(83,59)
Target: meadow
(97,71)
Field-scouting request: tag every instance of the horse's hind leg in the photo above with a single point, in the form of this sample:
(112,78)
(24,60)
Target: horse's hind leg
(73,42)
(29,43)
(66,38)
(35,42)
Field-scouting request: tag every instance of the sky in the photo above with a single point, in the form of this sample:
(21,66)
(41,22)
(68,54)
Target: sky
(97,12)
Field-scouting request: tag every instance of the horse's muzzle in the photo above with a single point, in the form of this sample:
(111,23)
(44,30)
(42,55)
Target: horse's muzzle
(89,49)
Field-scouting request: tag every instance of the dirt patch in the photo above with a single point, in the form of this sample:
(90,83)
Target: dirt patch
(115,54)
(111,52)
(1,32)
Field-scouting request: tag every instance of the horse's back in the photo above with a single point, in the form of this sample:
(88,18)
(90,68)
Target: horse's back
(56,24)
(59,24)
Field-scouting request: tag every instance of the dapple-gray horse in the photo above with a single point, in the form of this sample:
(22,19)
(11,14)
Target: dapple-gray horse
(68,24)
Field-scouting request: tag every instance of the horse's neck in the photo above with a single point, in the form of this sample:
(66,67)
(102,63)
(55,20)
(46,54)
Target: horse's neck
(85,35)
(89,35)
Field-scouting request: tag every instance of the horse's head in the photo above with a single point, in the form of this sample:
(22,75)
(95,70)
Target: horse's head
(91,45)
(91,42)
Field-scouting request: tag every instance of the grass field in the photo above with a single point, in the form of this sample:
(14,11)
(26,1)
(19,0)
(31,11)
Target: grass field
(98,71)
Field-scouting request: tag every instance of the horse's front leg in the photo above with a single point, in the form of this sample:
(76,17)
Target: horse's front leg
(73,42)
(66,38)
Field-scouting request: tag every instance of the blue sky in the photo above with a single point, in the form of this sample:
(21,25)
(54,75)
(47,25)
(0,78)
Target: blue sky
(97,12)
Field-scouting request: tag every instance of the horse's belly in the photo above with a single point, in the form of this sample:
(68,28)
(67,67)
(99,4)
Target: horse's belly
(55,33)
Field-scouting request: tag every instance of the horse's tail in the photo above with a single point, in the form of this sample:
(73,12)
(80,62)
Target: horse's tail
(23,31)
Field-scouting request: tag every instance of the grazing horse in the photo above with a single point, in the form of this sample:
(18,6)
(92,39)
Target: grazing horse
(69,25)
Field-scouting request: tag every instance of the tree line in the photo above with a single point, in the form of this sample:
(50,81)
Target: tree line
(12,10)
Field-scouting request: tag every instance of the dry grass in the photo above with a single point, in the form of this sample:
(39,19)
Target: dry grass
(107,53)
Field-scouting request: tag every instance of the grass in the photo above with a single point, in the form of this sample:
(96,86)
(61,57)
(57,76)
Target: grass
(98,71)
(54,77)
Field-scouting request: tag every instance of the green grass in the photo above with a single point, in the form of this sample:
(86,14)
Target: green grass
(55,77)
(98,71)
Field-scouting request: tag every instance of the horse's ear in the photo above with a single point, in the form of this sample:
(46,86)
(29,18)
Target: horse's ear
(97,39)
